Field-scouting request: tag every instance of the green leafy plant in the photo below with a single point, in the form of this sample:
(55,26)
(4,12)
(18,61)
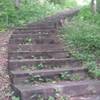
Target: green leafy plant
(97,73)
(93,70)
(87,15)
(40,97)
(64,98)
(82,39)
(76,77)
(68,76)
(15,98)
(28,40)
(65,76)
(37,97)
(64,3)
(39,66)
(35,78)
(82,35)
(51,98)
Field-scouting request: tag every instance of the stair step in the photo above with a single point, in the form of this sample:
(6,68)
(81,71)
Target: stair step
(35,27)
(48,72)
(36,52)
(33,33)
(34,36)
(87,97)
(35,30)
(29,40)
(47,63)
(42,60)
(35,47)
(20,77)
(34,55)
(41,24)
(74,88)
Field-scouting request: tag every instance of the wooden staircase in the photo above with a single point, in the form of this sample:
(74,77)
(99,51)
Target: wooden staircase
(41,67)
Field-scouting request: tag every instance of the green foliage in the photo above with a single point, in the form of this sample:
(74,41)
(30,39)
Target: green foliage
(28,40)
(69,76)
(39,66)
(93,70)
(51,98)
(61,2)
(97,73)
(40,97)
(76,77)
(65,76)
(64,3)
(7,13)
(87,15)
(35,78)
(84,43)
(70,3)
(28,11)
(15,98)
(82,36)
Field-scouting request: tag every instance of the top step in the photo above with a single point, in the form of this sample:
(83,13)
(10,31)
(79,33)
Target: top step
(53,30)
(35,27)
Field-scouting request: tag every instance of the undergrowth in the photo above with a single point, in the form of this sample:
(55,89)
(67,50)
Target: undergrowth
(28,11)
(82,36)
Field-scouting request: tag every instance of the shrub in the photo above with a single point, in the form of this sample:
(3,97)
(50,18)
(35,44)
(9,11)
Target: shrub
(83,36)
(64,3)
(87,15)
(83,39)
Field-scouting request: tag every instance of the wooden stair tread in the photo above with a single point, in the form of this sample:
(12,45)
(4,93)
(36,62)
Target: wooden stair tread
(48,71)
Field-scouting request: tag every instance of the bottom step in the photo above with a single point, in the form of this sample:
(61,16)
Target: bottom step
(87,97)
(30,92)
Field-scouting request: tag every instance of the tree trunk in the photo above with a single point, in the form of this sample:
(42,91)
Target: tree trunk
(98,6)
(93,6)
(17,3)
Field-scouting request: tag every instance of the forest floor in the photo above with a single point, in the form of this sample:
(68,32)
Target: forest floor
(4,77)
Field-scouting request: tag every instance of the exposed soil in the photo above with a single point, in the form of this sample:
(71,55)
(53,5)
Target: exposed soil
(4,77)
